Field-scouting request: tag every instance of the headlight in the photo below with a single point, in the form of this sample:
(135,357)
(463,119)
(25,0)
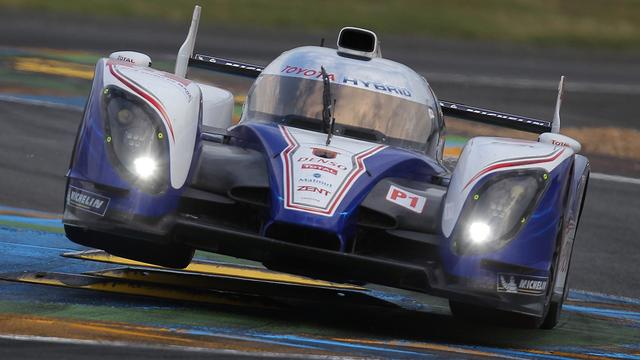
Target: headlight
(494,213)
(135,138)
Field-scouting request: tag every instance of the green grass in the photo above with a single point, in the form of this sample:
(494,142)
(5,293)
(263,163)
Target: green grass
(21,225)
(589,23)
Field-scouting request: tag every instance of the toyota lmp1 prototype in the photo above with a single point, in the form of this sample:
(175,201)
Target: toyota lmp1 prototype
(335,171)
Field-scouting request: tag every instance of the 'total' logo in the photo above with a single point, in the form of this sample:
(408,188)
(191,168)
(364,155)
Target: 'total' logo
(406,199)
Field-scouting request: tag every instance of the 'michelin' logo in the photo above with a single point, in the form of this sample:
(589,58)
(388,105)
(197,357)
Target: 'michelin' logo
(87,201)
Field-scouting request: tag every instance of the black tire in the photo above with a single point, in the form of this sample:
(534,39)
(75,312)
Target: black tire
(550,314)
(168,255)
(480,314)
(553,315)
(555,308)
(302,269)
(552,310)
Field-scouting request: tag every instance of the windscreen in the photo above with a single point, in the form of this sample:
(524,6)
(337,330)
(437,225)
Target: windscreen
(359,113)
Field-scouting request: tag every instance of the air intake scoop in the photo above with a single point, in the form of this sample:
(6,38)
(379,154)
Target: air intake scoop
(359,42)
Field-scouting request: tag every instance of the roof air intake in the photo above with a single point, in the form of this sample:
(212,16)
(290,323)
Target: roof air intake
(359,42)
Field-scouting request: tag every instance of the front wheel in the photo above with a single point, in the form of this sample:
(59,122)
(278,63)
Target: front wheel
(162,254)
(548,320)
(553,315)
(166,255)
(475,313)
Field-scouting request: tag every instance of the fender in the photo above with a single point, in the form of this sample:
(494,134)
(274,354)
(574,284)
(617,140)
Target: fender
(176,100)
(575,202)
(486,155)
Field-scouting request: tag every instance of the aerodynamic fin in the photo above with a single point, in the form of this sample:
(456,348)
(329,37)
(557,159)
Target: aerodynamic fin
(186,50)
(492,117)
(452,109)
(554,137)
(225,66)
(555,126)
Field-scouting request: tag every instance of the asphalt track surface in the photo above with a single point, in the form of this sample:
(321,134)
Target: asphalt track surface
(35,141)
(602,86)
(36,350)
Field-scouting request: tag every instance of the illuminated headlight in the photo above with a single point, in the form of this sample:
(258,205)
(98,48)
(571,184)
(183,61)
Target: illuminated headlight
(494,213)
(479,232)
(135,138)
(144,167)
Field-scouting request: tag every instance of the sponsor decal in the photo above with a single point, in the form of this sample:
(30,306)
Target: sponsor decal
(316,184)
(87,201)
(559,143)
(301,71)
(522,284)
(377,86)
(320,168)
(329,163)
(316,181)
(228,63)
(492,114)
(406,199)
(313,189)
(125,59)
(305,72)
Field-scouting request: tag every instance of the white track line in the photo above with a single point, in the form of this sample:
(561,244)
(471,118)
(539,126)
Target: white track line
(596,176)
(606,296)
(122,344)
(535,84)
(615,178)
(43,103)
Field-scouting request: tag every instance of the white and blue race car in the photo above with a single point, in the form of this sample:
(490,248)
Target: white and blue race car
(335,171)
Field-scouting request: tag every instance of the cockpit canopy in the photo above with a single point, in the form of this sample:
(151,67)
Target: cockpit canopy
(376,100)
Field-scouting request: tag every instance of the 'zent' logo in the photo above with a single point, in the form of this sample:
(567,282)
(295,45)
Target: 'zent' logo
(313,189)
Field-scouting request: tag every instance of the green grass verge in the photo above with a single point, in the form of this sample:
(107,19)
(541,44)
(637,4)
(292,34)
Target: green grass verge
(589,23)
(37,227)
